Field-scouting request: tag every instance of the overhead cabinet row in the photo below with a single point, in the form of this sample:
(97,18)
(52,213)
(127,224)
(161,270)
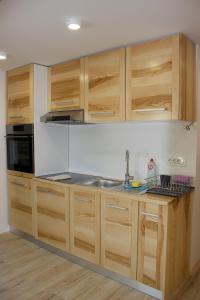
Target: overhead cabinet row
(149,81)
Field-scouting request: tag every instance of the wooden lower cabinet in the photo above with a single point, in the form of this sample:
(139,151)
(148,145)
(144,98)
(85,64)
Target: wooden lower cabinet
(145,239)
(52,214)
(20,203)
(119,221)
(151,244)
(85,223)
(163,245)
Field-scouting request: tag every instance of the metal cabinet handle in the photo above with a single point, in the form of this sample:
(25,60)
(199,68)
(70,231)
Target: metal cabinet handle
(49,191)
(19,184)
(19,136)
(101,113)
(66,101)
(150,215)
(81,200)
(17,117)
(116,207)
(150,109)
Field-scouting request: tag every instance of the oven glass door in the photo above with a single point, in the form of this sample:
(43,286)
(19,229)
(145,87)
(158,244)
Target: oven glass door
(20,156)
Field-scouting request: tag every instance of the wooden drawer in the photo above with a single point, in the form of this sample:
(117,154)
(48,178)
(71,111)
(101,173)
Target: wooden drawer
(119,216)
(85,223)
(20,203)
(52,214)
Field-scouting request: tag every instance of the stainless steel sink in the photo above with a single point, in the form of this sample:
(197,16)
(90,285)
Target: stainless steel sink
(102,183)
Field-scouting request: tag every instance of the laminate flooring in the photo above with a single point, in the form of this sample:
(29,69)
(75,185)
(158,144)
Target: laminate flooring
(28,272)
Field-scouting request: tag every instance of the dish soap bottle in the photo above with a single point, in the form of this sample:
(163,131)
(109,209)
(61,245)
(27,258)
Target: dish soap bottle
(152,172)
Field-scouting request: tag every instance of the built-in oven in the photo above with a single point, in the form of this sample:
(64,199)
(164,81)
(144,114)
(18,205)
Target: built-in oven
(20,148)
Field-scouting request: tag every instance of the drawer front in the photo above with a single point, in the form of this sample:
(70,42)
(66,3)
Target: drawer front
(85,224)
(20,203)
(151,245)
(119,234)
(52,214)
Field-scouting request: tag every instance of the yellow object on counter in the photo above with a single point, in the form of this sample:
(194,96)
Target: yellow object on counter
(136,184)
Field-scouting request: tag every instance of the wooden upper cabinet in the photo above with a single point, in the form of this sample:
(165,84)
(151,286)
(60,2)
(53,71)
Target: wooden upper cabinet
(20,203)
(152,244)
(160,80)
(85,223)
(105,86)
(20,95)
(52,214)
(119,223)
(66,85)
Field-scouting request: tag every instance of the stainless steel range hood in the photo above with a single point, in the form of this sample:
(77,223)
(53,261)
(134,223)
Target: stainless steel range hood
(73,117)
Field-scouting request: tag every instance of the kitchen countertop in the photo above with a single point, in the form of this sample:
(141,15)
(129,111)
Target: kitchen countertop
(79,179)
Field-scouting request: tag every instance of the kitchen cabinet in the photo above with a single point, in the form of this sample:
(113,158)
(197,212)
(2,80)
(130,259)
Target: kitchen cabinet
(151,244)
(160,80)
(52,214)
(119,222)
(144,238)
(163,244)
(66,86)
(20,95)
(85,223)
(105,86)
(20,203)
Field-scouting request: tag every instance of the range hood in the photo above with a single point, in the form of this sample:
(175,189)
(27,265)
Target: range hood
(73,117)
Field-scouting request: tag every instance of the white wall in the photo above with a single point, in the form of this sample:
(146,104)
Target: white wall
(51,140)
(100,149)
(195,241)
(3,178)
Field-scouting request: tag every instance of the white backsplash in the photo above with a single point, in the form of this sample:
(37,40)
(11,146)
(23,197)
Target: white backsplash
(100,149)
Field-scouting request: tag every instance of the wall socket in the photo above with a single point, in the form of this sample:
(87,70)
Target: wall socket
(177,161)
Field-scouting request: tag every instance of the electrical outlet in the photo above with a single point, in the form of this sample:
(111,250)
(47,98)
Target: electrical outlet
(177,161)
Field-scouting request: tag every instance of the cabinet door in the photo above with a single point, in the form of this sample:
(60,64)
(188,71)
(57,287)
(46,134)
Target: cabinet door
(105,86)
(52,214)
(85,223)
(20,95)
(152,244)
(20,203)
(119,221)
(66,85)
(152,86)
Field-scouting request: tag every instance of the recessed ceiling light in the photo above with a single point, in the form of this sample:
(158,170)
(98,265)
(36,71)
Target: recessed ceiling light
(3,55)
(74,24)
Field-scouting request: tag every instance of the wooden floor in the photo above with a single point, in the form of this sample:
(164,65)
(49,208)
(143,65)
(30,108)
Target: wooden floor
(29,272)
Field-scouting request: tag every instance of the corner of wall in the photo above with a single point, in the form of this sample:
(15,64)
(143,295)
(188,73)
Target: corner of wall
(3,169)
(195,242)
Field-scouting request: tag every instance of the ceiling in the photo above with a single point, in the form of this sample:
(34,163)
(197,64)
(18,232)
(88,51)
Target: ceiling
(35,31)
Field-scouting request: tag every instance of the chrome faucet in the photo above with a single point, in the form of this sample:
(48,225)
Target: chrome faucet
(128,178)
